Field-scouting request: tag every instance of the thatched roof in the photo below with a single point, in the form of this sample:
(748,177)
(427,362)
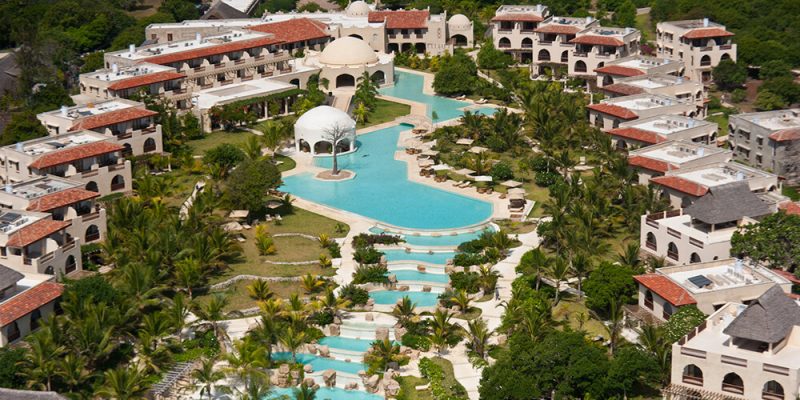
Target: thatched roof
(768,319)
(29,395)
(8,277)
(726,203)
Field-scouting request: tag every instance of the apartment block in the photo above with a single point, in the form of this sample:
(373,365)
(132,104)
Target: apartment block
(611,113)
(699,43)
(126,122)
(702,231)
(708,285)
(661,128)
(636,65)
(741,352)
(768,140)
(550,48)
(33,242)
(596,46)
(64,200)
(88,157)
(514,29)
(667,85)
(24,300)
(125,82)
(683,186)
(662,158)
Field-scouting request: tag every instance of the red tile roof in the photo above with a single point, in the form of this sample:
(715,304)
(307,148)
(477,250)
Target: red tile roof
(148,79)
(623,89)
(651,164)
(681,185)
(618,71)
(29,300)
(558,29)
(611,109)
(700,33)
(785,135)
(791,208)
(35,231)
(401,19)
(71,154)
(788,275)
(598,40)
(294,30)
(666,288)
(111,118)
(518,18)
(63,198)
(638,134)
(229,47)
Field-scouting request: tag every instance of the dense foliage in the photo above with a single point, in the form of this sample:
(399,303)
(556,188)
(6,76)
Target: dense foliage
(772,241)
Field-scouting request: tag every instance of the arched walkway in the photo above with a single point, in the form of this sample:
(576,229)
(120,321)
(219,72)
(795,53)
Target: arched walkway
(323,147)
(733,383)
(651,241)
(705,61)
(295,82)
(70,265)
(672,251)
(356,36)
(345,80)
(504,43)
(379,78)
(459,40)
(565,56)
(92,234)
(126,149)
(92,186)
(692,375)
(725,56)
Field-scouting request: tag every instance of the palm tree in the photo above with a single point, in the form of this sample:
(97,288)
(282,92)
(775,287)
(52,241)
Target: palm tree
(382,353)
(212,313)
(311,283)
(630,256)
(536,261)
(478,344)
(558,272)
(273,135)
(328,302)
(461,299)
(360,113)
(259,290)
(178,312)
(404,311)
(73,371)
(267,333)
(614,325)
(501,241)
(304,392)
(442,330)
(488,278)
(473,124)
(651,339)
(189,273)
(292,340)
(123,384)
(40,364)
(654,263)
(480,163)
(247,359)
(205,376)
(581,266)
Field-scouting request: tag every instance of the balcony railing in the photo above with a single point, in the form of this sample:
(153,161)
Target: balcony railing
(219,65)
(117,186)
(731,388)
(116,167)
(239,61)
(651,245)
(580,54)
(648,303)
(673,233)
(419,35)
(726,47)
(695,242)
(199,69)
(672,254)
(693,380)
(772,396)
(149,129)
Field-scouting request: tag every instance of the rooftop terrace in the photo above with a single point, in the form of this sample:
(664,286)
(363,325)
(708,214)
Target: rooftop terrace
(208,43)
(116,74)
(41,186)
(667,124)
(722,173)
(47,145)
(674,152)
(643,102)
(774,120)
(720,275)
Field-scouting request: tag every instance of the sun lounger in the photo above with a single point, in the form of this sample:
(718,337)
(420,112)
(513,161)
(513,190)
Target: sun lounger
(481,101)
(465,185)
(458,183)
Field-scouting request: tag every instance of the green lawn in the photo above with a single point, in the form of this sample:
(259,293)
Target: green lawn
(385,111)
(449,377)
(293,248)
(408,389)
(303,221)
(574,311)
(286,163)
(217,138)
(238,299)
(644,24)
(722,121)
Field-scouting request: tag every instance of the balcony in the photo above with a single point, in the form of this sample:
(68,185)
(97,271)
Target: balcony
(150,129)
(392,36)
(199,69)
(260,58)
(580,54)
(117,186)
(726,47)
(692,380)
(732,388)
(219,65)
(504,45)
(406,36)
(116,167)
(419,35)
(239,61)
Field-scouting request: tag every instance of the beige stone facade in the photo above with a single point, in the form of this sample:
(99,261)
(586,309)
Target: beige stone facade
(33,242)
(658,159)
(769,140)
(25,301)
(700,44)
(611,113)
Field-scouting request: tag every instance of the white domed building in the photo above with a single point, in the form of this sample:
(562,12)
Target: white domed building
(358,9)
(460,31)
(313,131)
(345,59)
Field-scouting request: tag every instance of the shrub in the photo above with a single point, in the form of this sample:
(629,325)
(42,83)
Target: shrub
(469,281)
(502,172)
(335,249)
(367,240)
(416,341)
(322,318)
(469,259)
(356,295)
(547,178)
(265,244)
(738,95)
(370,274)
(367,255)
(324,261)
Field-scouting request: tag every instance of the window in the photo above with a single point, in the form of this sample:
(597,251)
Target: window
(651,241)
(36,315)
(772,391)
(169,37)
(733,383)
(648,299)
(667,311)
(760,140)
(12,332)
(692,375)
(672,251)
(759,159)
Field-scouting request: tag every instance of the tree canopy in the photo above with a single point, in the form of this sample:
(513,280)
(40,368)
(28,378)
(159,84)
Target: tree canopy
(249,182)
(772,241)
(608,283)
(457,75)
(729,75)
(681,322)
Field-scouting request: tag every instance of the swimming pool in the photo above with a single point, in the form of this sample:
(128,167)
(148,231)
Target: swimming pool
(438,257)
(344,343)
(390,297)
(325,393)
(416,276)
(381,189)
(428,240)
(409,86)
(321,363)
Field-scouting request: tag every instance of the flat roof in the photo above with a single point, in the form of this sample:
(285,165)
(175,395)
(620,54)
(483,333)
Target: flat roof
(159,50)
(721,275)
(12,221)
(694,24)
(644,101)
(676,152)
(774,120)
(52,144)
(721,173)
(241,5)
(40,186)
(642,62)
(667,124)
(207,23)
(83,111)
(330,18)
(108,74)
(259,87)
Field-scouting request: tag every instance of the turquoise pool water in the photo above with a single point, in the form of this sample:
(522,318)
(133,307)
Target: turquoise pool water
(422,299)
(321,363)
(325,393)
(408,275)
(409,86)
(381,189)
(444,240)
(344,343)
(439,257)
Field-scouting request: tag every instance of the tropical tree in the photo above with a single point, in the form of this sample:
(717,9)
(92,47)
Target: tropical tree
(443,333)
(478,341)
(382,353)
(247,360)
(581,266)
(311,283)
(404,311)
(206,376)
(259,290)
(304,392)
(212,313)
(292,339)
(488,278)
(41,366)
(73,371)
(123,383)
(462,299)
(189,273)
(558,273)
(252,147)
(536,262)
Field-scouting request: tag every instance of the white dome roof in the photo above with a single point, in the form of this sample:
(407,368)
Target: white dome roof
(459,20)
(358,9)
(312,125)
(348,51)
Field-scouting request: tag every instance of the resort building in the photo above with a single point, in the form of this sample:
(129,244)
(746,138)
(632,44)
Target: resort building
(596,46)
(667,85)
(128,123)
(702,231)
(683,186)
(768,140)
(700,44)
(514,29)
(125,82)
(636,65)
(24,300)
(662,158)
(64,200)
(741,352)
(33,242)
(315,130)
(661,128)
(87,157)
(708,285)
(611,113)
(417,31)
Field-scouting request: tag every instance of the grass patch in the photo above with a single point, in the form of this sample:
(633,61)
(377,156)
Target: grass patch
(578,316)
(286,163)
(514,227)
(303,221)
(449,377)
(292,248)
(790,192)
(385,111)
(722,121)
(238,299)
(408,391)
(474,312)
(216,138)
(645,25)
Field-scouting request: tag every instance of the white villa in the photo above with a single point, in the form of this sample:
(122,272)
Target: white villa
(659,159)
(313,130)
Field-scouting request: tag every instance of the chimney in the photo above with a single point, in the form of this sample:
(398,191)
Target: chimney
(9,188)
(198,37)
(588,20)
(539,8)
(115,68)
(131,48)
(701,152)
(740,176)
(19,147)
(705,22)
(64,111)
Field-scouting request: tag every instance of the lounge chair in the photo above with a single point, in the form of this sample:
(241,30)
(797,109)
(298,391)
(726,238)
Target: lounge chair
(465,185)
(481,101)
(458,183)
(278,217)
